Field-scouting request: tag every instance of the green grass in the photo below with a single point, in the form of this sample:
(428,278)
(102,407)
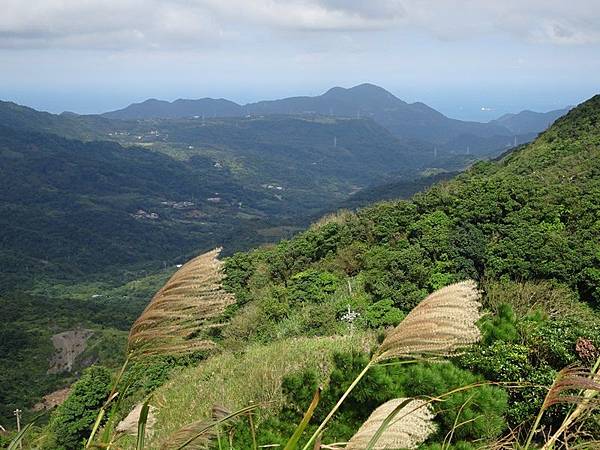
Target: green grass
(234,380)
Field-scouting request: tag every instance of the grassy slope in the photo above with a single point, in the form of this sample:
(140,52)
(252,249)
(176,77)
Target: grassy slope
(235,379)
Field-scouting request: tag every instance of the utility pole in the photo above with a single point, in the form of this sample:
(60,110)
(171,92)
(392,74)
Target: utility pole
(17,412)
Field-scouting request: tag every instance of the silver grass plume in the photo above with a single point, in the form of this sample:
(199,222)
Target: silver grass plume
(441,325)
(184,307)
(411,426)
(191,438)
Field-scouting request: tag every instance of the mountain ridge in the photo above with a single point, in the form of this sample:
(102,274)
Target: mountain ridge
(406,121)
(528,121)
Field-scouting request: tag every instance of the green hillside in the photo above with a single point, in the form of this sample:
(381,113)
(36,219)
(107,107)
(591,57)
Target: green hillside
(90,228)
(526,227)
(70,208)
(531,216)
(313,160)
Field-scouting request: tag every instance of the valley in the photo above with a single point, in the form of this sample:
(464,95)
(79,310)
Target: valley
(98,212)
(299,225)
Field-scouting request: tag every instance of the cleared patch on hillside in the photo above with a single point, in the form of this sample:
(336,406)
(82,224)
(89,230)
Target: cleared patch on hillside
(129,425)
(52,400)
(68,346)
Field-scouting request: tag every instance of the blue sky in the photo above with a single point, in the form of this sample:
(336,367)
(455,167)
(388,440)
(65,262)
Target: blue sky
(469,59)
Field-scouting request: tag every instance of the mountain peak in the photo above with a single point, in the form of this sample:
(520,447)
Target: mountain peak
(362,90)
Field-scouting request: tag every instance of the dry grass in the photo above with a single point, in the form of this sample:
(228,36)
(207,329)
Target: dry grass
(441,325)
(186,306)
(340,217)
(194,436)
(411,426)
(574,386)
(565,385)
(554,300)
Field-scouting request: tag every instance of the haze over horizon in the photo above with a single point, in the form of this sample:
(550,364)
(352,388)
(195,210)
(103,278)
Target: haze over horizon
(469,61)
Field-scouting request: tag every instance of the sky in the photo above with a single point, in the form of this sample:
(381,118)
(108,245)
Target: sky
(470,59)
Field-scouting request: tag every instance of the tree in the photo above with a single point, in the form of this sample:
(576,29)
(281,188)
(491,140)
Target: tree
(73,420)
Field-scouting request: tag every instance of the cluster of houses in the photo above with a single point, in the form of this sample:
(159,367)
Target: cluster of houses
(178,205)
(141,214)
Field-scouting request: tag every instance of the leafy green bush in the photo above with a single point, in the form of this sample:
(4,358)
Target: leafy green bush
(482,408)
(511,362)
(554,341)
(312,286)
(501,326)
(72,421)
(381,314)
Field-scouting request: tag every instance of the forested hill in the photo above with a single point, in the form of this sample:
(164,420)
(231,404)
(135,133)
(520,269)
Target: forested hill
(21,117)
(532,215)
(407,121)
(529,121)
(69,208)
(526,227)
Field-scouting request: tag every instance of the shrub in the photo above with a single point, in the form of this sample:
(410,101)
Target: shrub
(381,314)
(502,326)
(72,421)
(312,286)
(554,341)
(484,406)
(481,409)
(511,362)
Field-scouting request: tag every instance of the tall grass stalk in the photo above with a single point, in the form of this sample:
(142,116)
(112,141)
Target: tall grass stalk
(141,430)
(16,442)
(113,394)
(386,423)
(574,414)
(293,442)
(568,380)
(338,404)
(197,430)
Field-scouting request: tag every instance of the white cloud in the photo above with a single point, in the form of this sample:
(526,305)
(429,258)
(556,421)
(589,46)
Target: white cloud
(162,24)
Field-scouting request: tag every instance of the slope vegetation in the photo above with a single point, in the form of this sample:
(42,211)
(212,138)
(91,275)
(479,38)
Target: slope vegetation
(525,227)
